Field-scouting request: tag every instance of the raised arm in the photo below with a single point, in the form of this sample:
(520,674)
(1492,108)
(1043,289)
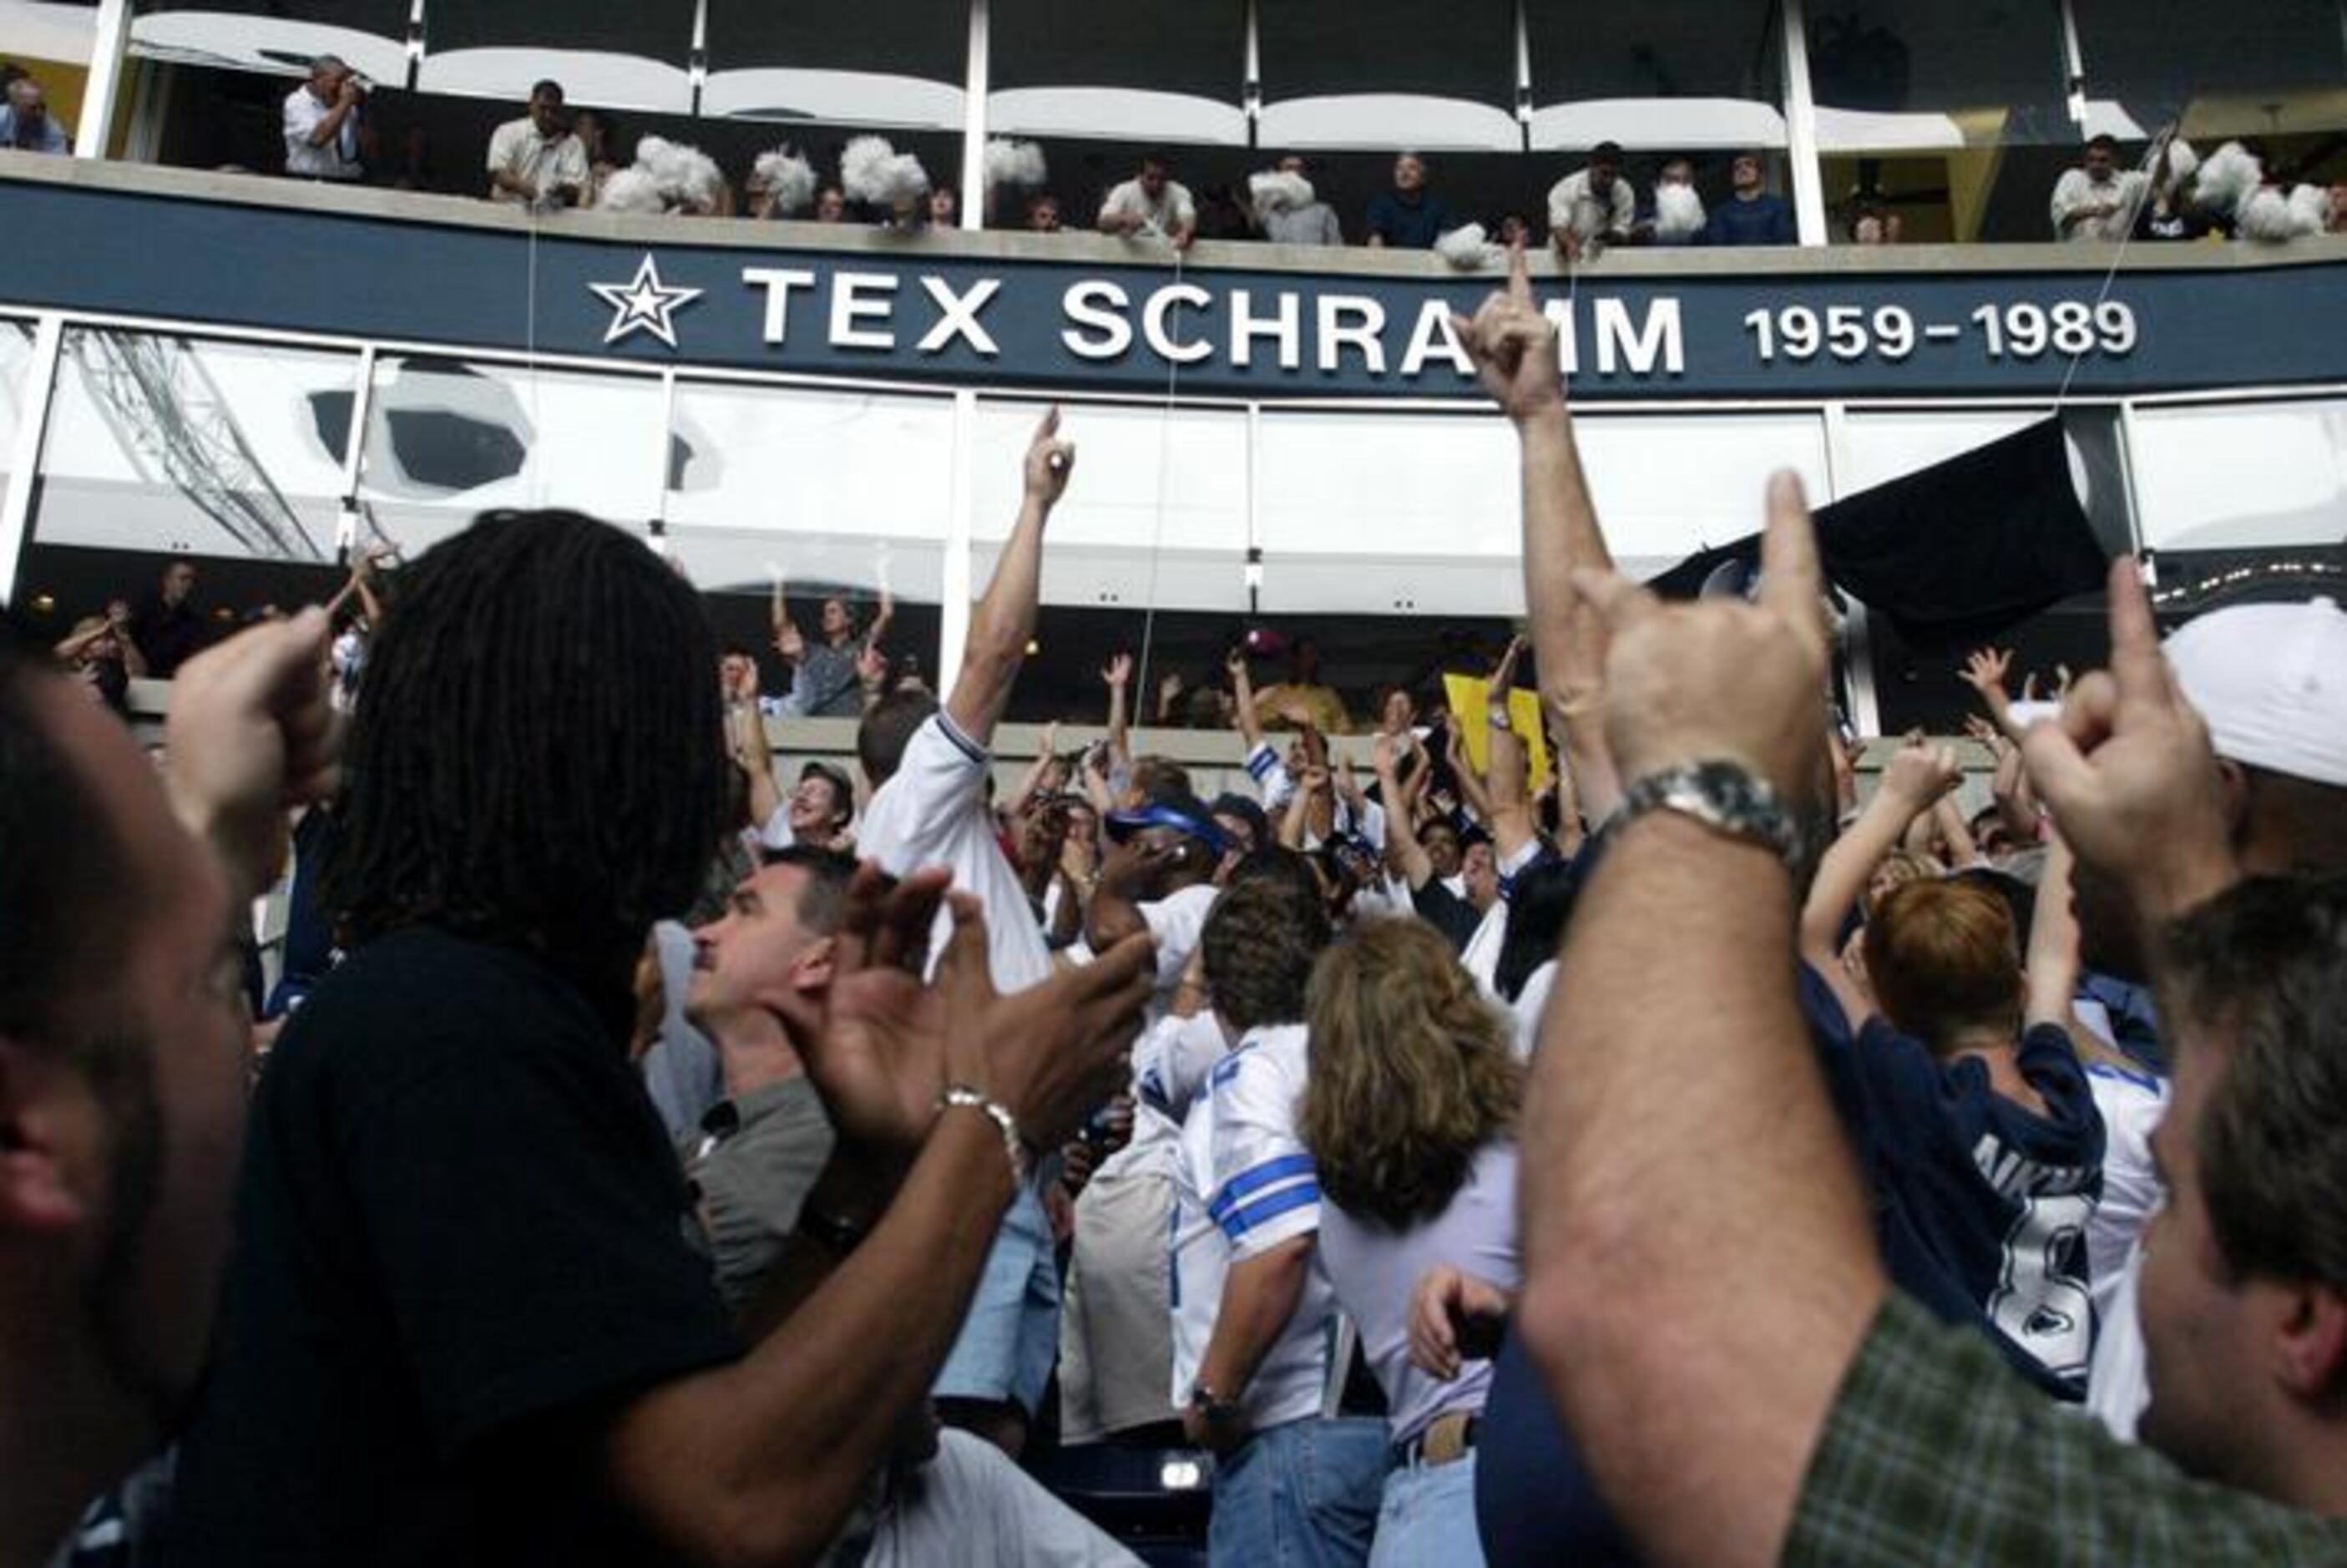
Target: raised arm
(1698,1409)
(2052,973)
(1515,353)
(1243,709)
(1295,820)
(1918,776)
(1462,768)
(1401,845)
(1032,779)
(1004,622)
(1117,675)
(1985,671)
(876,634)
(1513,824)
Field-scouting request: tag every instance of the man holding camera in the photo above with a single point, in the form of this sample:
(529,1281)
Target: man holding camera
(322,123)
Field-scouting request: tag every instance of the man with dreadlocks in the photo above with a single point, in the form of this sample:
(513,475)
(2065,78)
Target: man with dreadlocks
(463,1321)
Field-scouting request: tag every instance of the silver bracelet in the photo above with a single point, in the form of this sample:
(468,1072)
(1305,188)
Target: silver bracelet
(962,1096)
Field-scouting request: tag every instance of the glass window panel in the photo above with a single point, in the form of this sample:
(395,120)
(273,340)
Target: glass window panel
(1677,74)
(2282,65)
(195,446)
(16,370)
(1668,486)
(1890,75)
(886,62)
(827,489)
(2268,475)
(652,29)
(1157,512)
(1388,72)
(1385,513)
(1146,69)
(1883,447)
(447,439)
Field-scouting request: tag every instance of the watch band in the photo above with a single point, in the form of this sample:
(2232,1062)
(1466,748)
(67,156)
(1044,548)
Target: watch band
(1724,796)
(962,1097)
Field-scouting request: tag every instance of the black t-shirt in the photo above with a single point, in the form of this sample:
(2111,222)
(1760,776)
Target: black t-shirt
(168,635)
(460,1243)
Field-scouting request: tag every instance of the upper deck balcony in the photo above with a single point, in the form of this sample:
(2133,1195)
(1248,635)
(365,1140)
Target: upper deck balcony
(258,369)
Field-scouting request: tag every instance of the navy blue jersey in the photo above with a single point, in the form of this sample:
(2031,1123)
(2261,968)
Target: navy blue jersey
(1982,1204)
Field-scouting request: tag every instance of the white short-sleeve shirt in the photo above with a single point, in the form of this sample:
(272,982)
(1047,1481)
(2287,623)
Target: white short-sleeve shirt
(932,812)
(1245,1184)
(544,165)
(1573,207)
(1167,215)
(338,160)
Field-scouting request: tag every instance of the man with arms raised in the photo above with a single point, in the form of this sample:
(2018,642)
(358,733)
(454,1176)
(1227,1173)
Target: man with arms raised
(928,768)
(1748,1386)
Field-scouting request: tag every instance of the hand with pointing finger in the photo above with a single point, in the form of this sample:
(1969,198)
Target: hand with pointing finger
(2128,772)
(1514,347)
(1722,680)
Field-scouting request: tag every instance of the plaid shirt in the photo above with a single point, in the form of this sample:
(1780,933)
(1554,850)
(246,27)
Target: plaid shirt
(1936,1453)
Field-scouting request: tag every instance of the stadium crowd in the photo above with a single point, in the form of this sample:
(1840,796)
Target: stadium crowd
(1598,1135)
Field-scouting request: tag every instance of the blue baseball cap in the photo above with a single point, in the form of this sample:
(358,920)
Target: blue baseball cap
(1184,813)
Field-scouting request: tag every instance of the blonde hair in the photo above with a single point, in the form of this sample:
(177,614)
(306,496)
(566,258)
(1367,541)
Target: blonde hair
(1411,1073)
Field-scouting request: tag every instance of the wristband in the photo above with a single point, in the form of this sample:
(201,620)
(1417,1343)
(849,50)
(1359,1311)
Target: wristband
(1724,796)
(1497,718)
(961,1096)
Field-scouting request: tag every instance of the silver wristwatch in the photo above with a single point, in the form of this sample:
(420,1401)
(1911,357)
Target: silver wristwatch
(1724,796)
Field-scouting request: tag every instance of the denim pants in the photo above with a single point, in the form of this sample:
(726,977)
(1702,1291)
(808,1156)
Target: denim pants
(1429,1517)
(1306,1494)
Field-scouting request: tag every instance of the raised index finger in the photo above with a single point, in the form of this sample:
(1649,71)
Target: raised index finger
(1520,276)
(2136,664)
(1792,581)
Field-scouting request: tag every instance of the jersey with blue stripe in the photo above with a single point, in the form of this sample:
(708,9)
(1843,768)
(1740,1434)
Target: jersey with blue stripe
(1243,1186)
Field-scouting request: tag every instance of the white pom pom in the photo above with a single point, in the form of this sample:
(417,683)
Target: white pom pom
(2227,177)
(686,176)
(1277,191)
(1678,212)
(1019,163)
(790,176)
(860,163)
(904,181)
(2310,205)
(2276,218)
(631,189)
(2182,161)
(1466,249)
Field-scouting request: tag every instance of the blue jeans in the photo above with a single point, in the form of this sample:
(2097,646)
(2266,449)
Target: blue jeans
(1429,1517)
(1304,1495)
(1010,1336)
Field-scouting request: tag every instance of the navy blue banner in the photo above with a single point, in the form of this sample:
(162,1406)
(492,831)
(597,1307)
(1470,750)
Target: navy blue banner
(921,314)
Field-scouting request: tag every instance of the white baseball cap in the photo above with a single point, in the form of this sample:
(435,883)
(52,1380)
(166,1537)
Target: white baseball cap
(2271,681)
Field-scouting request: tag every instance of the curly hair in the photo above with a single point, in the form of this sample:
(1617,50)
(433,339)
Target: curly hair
(1259,944)
(539,759)
(1410,1073)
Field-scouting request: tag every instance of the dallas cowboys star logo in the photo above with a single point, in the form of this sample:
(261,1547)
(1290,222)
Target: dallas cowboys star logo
(644,304)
